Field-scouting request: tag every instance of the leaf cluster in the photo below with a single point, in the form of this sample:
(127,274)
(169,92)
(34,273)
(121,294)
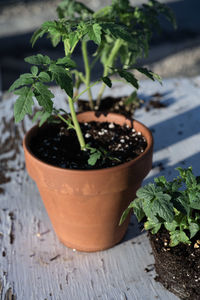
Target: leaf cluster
(174,205)
(30,86)
(131,26)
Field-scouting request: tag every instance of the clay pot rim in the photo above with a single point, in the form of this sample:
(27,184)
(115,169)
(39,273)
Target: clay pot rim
(103,170)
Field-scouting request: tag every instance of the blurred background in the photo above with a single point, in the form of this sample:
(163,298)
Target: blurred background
(173,54)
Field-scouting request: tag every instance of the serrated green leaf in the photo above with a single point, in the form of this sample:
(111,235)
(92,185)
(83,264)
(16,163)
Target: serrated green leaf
(24,79)
(171,226)
(34,70)
(194,198)
(181,203)
(74,38)
(105,11)
(55,39)
(94,157)
(44,77)
(97,33)
(138,209)
(107,81)
(149,74)
(43,96)
(38,59)
(67,62)
(153,226)
(37,116)
(118,31)
(62,78)
(177,237)
(194,229)
(37,34)
(23,104)
(163,207)
(129,77)
(147,192)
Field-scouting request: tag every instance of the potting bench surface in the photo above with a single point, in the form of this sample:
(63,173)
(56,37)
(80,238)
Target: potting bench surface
(34,265)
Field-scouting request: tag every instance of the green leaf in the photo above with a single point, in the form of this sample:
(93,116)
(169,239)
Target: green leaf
(177,237)
(44,77)
(129,77)
(171,226)
(194,229)
(153,226)
(23,104)
(37,115)
(107,81)
(194,197)
(55,39)
(43,96)
(94,157)
(132,98)
(37,34)
(163,207)
(149,74)
(96,35)
(118,31)
(67,62)
(181,203)
(147,192)
(138,209)
(38,59)
(62,78)
(124,215)
(34,70)
(24,79)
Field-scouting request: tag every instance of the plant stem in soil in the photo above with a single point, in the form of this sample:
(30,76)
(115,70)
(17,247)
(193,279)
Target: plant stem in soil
(76,124)
(74,116)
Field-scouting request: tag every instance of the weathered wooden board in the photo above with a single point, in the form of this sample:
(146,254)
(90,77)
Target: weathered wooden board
(34,265)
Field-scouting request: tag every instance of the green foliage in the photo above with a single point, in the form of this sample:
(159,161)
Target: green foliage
(34,84)
(119,26)
(174,205)
(121,33)
(96,154)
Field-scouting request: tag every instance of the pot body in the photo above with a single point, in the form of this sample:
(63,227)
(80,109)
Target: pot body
(85,206)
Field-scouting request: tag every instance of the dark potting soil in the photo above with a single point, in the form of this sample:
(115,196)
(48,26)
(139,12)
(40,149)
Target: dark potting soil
(114,105)
(56,145)
(178,267)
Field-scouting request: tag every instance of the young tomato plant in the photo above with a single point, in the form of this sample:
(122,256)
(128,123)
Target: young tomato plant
(118,30)
(174,205)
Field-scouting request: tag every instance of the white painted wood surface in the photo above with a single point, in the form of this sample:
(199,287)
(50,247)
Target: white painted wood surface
(34,265)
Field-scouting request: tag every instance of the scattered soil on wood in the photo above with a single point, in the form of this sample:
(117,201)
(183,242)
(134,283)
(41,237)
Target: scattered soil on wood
(118,105)
(123,106)
(155,102)
(178,267)
(10,148)
(56,145)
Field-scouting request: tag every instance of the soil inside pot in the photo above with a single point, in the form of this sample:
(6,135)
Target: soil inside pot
(116,105)
(178,267)
(56,145)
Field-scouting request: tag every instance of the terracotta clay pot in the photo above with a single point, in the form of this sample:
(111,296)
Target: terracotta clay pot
(85,206)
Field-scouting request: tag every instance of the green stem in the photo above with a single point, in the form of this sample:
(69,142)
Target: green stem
(76,124)
(87,72)
(73,113)
(108,64)
(85,90)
